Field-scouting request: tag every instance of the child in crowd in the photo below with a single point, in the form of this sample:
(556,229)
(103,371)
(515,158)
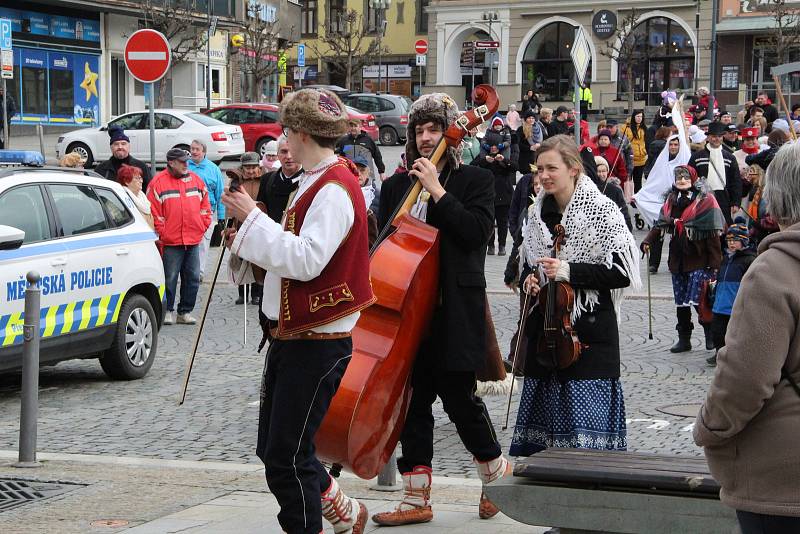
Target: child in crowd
(496,140)
(737,260)
(362,166)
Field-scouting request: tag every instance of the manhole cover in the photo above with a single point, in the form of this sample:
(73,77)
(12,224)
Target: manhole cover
(681,410)
(15,493)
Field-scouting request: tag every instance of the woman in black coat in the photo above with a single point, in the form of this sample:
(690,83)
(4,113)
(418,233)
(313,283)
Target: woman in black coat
(581,405)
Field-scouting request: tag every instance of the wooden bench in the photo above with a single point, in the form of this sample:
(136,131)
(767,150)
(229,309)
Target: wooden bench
(580,490)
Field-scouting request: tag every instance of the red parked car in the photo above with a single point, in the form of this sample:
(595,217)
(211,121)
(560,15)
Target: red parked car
(259,122)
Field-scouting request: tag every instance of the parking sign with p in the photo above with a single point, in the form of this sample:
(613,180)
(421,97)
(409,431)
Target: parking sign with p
(5,34)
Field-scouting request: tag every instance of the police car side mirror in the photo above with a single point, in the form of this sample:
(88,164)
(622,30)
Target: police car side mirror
(11,238)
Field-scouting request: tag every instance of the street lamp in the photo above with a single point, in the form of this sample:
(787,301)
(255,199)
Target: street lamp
(381,6)
(490,16)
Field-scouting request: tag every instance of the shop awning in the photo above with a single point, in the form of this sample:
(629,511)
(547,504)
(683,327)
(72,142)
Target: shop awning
(745,25)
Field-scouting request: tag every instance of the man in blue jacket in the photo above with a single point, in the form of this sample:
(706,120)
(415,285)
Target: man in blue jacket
(215,183)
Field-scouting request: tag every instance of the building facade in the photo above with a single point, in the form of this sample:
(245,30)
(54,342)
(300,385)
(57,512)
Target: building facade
(396,71)
(534,38)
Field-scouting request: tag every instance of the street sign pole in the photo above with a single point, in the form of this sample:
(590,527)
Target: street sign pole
(152,127)
(5,117)
(577,123)
(472,89)
(6,46)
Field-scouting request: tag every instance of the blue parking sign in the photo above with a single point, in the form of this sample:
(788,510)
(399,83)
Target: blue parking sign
(5,34)
(301,55)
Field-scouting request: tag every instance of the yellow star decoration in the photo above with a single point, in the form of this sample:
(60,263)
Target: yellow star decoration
(89,82)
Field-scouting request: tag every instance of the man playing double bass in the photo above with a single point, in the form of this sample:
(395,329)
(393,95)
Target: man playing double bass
(459,201)
(317,283)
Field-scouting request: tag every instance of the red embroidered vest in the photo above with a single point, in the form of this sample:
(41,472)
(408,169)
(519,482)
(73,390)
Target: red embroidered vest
(343,287)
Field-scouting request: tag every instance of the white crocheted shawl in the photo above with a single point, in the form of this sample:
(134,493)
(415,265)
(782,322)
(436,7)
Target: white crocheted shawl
(595,232)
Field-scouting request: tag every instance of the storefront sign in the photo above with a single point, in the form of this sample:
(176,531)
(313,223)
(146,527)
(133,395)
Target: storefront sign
(730,77)
(387,71)
(36,23)
(57,87)
(604,24)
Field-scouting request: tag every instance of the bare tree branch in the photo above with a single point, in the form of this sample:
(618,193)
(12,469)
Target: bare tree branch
(350,48)
(785,34)
(263,47)
(629,47)
(177,20)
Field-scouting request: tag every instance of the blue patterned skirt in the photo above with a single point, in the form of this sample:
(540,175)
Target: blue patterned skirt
(687,286)
(588,414)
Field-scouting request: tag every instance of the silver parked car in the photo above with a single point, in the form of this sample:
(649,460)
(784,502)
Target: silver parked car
(391,113)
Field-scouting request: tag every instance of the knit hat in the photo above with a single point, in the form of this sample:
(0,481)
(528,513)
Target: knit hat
(601,161)
(696,135)
(117,134)
(683,171)
(739,232)
(702,91)
(561,109)
(496,121)
(314,111)
(177,154)
(440,109)
(780,124)
(604,132)
(271,149)
(529,113)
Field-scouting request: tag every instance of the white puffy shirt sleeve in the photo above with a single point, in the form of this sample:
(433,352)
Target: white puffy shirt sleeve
(262,241)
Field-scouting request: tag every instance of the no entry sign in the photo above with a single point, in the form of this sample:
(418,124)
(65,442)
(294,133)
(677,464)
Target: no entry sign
(421,46)
(147,55)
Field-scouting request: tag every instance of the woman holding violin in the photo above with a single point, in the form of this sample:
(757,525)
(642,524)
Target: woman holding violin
(458,200)
(583,256)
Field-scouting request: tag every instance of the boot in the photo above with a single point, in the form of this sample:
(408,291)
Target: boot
(416,504)
(501,251)
(488,473)
(490,250)
(345,513)
(684,343)
(709,337)
(712,361)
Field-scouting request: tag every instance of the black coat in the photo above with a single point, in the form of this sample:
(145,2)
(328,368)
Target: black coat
(653,151)
(505,173)
(364,140)
(597,328)
(108,169)
(732,194)
(274,192)
(464,217)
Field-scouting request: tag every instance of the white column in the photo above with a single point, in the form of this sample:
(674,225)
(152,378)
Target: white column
(503,53)
(441,37)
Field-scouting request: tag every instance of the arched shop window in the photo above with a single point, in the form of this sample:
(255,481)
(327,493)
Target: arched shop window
(664,59)
(546,65)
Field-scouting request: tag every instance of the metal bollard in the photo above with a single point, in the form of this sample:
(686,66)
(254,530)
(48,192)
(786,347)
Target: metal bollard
(40,132)
(387,478)
(29,411)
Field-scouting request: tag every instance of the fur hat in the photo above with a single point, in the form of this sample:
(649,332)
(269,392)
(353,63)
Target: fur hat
(440,109)
(314,111)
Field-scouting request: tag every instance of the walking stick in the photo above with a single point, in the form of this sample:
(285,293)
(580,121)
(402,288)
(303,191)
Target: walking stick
(202,322)
(520,333)
(649,300)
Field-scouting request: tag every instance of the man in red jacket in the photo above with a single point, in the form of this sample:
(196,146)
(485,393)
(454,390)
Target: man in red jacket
(181,214)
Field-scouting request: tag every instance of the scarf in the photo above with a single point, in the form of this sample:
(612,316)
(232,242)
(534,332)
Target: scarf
(595,233)
(716,169)
(700,219)
(752,150)
(369,195)
(140,200)
(420,208)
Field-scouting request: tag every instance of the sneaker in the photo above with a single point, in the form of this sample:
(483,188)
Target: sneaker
(653,270)
(169,317)
(185,318)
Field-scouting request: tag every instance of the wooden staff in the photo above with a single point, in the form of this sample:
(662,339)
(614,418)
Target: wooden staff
(779,92)
(520,333)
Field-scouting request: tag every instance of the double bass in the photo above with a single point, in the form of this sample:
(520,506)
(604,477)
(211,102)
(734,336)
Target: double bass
(367,414)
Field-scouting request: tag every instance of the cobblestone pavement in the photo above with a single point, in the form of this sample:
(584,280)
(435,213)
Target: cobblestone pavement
(81,411)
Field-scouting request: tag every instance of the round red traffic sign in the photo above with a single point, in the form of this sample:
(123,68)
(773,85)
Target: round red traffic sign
(147,55)
(421,46)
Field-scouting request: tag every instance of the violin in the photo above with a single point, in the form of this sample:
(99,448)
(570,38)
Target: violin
(559,340)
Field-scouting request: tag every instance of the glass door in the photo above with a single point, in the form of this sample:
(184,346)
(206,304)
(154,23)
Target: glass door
(656,85)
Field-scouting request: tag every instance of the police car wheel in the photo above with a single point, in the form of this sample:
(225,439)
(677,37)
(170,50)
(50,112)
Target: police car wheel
(135,343)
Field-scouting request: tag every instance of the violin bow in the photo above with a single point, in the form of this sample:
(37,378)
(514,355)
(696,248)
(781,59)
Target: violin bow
(520,332)
(190,363)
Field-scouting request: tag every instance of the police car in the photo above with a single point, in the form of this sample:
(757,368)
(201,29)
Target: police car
(102,280)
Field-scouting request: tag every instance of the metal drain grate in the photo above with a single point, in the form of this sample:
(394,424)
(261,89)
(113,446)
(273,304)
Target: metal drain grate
(15,493)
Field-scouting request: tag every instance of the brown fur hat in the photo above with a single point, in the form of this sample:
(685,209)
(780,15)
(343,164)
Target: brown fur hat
(440,109)
(314,111)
